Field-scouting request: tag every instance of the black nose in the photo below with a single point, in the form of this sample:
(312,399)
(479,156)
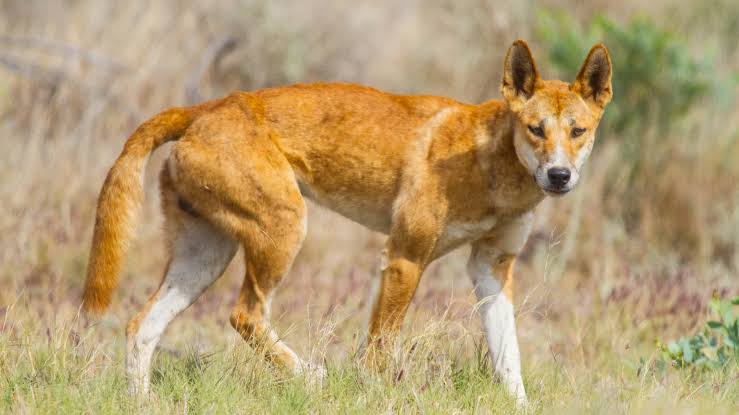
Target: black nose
(558,176)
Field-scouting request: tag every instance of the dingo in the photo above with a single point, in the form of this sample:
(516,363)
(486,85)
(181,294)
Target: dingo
(430,172)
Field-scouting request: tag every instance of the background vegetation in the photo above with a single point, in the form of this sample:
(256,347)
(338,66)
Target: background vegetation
(629,261)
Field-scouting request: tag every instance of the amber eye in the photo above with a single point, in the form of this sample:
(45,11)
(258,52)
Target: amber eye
(536,130)
(577,132)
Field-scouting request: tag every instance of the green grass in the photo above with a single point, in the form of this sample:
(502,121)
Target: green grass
(70,370)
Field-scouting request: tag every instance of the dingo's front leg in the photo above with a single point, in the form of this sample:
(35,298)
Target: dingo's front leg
(403,260)
(491,268)
(400,278)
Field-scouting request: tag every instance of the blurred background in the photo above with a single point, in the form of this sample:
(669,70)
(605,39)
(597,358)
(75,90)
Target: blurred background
(649,236)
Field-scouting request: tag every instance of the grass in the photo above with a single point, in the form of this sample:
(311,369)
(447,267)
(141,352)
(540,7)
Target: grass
(626,262)
(69,370)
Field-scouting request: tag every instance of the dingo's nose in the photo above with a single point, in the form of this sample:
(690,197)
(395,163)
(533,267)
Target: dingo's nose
(558,176)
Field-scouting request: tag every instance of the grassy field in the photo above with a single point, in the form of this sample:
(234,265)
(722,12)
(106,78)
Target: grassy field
(628,260)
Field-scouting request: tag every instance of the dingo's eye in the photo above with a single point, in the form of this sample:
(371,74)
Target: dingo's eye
(577,132)
(536,130)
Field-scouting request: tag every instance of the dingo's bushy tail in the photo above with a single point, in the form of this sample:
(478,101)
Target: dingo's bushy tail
(119,204)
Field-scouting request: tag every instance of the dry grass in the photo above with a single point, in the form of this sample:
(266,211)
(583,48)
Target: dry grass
(600,281)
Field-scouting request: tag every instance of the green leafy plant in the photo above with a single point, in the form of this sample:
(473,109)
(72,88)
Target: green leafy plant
(655,78)
(713,347)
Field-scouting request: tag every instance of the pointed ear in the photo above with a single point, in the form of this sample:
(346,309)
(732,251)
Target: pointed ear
(519,74)
(593,82)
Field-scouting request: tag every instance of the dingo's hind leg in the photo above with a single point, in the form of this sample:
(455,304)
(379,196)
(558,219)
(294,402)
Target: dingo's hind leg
(199,253)
(271,242)
(250,316)
(241,182)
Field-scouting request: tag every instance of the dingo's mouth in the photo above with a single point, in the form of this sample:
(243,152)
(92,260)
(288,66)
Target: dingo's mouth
(556,192)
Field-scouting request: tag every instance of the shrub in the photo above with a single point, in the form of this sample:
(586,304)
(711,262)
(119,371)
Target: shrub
(660,131)
(712,348)
(655,79)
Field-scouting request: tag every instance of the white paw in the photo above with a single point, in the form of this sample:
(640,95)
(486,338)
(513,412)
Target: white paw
(138,388)
(519,393)
(522,402)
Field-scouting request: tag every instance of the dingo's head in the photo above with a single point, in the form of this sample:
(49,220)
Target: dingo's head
(556,121)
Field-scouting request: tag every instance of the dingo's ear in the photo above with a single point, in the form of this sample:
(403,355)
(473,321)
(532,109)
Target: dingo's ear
(593,82)
(519,74)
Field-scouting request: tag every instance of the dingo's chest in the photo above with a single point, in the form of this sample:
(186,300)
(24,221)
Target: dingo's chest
(459,233)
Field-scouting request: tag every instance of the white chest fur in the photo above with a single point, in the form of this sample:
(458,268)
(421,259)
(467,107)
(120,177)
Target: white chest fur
(459,233)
